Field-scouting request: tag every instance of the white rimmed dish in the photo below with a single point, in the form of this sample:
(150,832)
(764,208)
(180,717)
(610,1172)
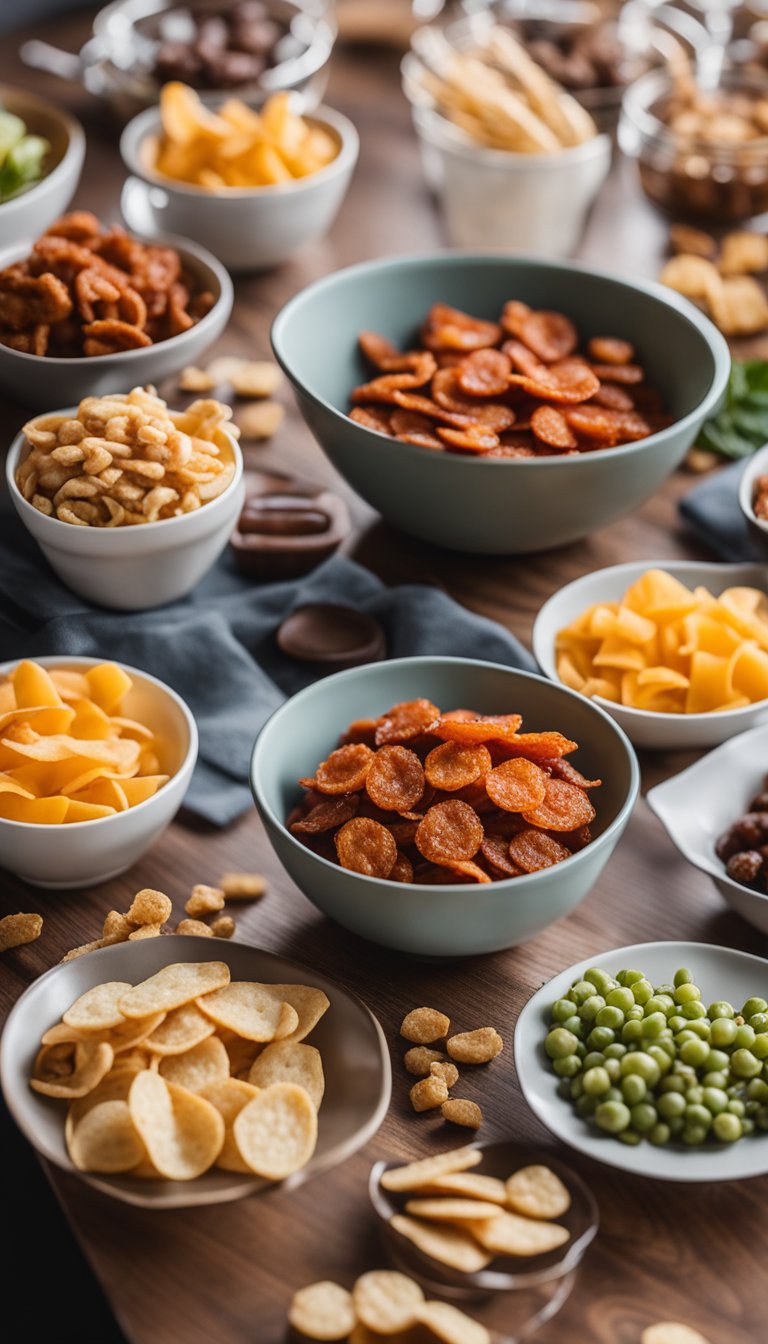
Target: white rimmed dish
(720,973)
(355,1061)
(644,727)
(248,228)
(44,383)
(758,527)
(697,805)
(137,567)
(33,209)
(82,853)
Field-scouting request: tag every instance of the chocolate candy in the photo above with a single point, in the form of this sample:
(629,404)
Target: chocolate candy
(328,633)
(218,50)
(287,526)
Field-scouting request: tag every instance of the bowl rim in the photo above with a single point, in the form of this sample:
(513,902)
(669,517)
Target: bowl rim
(708,332)
(643,92)
(339,1153)
(635,568)
(66,660)
(616,824)
(148,122)
(755,466)
(28,511)
(75,145)
(660,800)
(223,301)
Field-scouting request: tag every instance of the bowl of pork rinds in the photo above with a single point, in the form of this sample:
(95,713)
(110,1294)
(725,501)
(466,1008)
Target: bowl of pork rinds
(499,404)
(130,502)
(443,806)
(88,308)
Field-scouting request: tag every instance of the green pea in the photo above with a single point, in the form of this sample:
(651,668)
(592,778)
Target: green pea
(602,982)
(682,977)
(701,1028)
(757,1090)
(744,1037)
(693,1134)
(756,1005)
(671,1104)
(683,1036)
(630,1137)
(560,1043)
(610,1017)
(759,1046)
(665,989)
(673,1083)
(567,1066)
(596,1081)
(600,1037)
(581,1050)
(589,1009)
(693,1010)
(615,1050)
(639,1062)
(622,998)
(759,1022)
(585,1106)
(654,1023)
(744,1064)
(694,1095)
(716,1078)
(737,1108)
(694,1052)
(723,1030)
(676,1125)
(715,1099)
(654,1005)
(717,1059)
(562,1009)
(575,1025)
(593,1060)
(727,1127)
(642,991)
(630,977)
(677,1023)
(761,1119)
(659,1135)
(687,993)
(611,1067)
(613,1094)
(631,1032)
(635,1014)
(696,1114)
(633,1089)
(564,1089)
(751,1108)
(662,1057)
(665,1046)
(581,990)
(748,1125)
(720,1009)
(643,1116)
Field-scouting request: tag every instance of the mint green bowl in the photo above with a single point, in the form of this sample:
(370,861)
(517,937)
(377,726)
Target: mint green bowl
(444,921)
(498,506)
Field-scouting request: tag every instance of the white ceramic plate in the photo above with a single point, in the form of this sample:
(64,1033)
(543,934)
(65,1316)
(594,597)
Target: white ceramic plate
(664,732)
(355,1060)
(720,973)
(698,805)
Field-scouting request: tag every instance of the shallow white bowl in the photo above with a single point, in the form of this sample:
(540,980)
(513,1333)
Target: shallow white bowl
(30,213)
(758,527)
(661,732)
(86,852)
(247,228)
(45,383)
(132,568)
(697,805)
(720,973)
(355,1061)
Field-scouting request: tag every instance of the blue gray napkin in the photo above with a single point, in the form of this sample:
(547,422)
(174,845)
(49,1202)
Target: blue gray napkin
(217,646)
(712,511)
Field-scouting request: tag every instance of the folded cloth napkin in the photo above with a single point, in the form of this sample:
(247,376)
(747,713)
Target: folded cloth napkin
(712,511)
(217,646)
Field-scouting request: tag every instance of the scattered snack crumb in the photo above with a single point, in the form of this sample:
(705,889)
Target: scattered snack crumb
(260,421)
(385,1301)
(445,1070)
(425,1025)
(322,1311)
(428,1093)
(149,907)
(223,927)
(420,1059)
(255,378)
(242,886)
(195,927)
(145,931)
(461,1112)
(671,1332)
(475,1047)
(16,930)
(195,380)
(204,901)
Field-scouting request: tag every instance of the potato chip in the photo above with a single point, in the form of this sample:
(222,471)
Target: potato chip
(424,1025)
(276,1132)
(290,1062)
(183,1134)
(173,986)
(115,1086)
(309,1003)
(180,1030)
(467,1185)
(452,1210)
(475,1047)
(204,1063)
(322,1311)
(440,1241)
(385,1300)
(229,1096)
(512,1235)
(537,1192)
(450,1325)
(106,1140)
(252,1010)
(414,1175)
(92,1062)
(97,1009)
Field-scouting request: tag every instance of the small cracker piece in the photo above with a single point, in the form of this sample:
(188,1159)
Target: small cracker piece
(194,928)
(537,1192)
(460,1111)
(414,1175)
(105,1139)
(290,1062)
(223,927)
(276,1132)
(671,1332)
(174,985)
(425,1025)
(322,1311)
(204,900)
(420,1059)
(445,1070)
(428,1093)
(96,1009)
(92,1062)
(256,378)
(242,886)
(261,420)
(192,379)
(457,1210)
(440,1241)
(182,1132)
(385,1301)
(149,907)
(468,1185)
(16,930)
(229,1096)
(450,1325)
(512,1235)
(475,1047)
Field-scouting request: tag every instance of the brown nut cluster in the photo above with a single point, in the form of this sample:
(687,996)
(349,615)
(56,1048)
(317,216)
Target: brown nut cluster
(743,848)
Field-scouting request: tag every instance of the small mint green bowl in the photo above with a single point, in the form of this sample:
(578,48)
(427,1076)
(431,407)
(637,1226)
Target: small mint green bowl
(498,506)
(444,921)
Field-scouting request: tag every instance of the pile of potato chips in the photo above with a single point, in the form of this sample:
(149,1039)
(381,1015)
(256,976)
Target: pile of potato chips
(66,752)
(383,1305)
(187,1070)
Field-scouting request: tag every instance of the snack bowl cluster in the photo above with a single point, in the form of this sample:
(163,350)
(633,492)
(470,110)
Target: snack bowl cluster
(495,506)
(132,568)
(444,921)
(44,382)
(32,210)
(644,727)
(81,854)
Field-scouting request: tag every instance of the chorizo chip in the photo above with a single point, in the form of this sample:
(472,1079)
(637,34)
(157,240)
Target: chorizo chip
(551,336)
(485,373)
(495,851)
(405,721)
(551,427)
(365,846)
(564,808)
(450,832)
(610,350)
(395,781)
(517,785)
(454,765)
(532,850)
(485,728)
(326,816)
(345,770)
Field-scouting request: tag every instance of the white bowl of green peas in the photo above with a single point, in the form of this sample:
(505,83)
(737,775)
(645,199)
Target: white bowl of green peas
(654,1059)
(41,157)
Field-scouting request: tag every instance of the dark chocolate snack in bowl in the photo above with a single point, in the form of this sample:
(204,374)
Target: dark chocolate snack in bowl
(287,527)
(743,848)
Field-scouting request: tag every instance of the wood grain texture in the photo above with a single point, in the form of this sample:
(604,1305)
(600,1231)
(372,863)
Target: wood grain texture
(687,1253)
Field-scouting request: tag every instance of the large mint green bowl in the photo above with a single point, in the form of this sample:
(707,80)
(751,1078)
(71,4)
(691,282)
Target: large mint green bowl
(496,506)
(443,921)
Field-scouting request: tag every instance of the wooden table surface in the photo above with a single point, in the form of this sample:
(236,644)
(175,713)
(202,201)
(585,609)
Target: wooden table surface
(689,1253)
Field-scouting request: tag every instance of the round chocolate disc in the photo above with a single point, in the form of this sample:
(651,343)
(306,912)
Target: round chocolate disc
(324,632)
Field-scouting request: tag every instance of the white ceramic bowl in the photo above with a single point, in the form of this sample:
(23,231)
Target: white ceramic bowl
(132,568)
(697,805)
(661,732)
(247,228)
(758,527)
(45,383)
(491,198)
(358,1076)
(720,973)
(86,852)
(30,213)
